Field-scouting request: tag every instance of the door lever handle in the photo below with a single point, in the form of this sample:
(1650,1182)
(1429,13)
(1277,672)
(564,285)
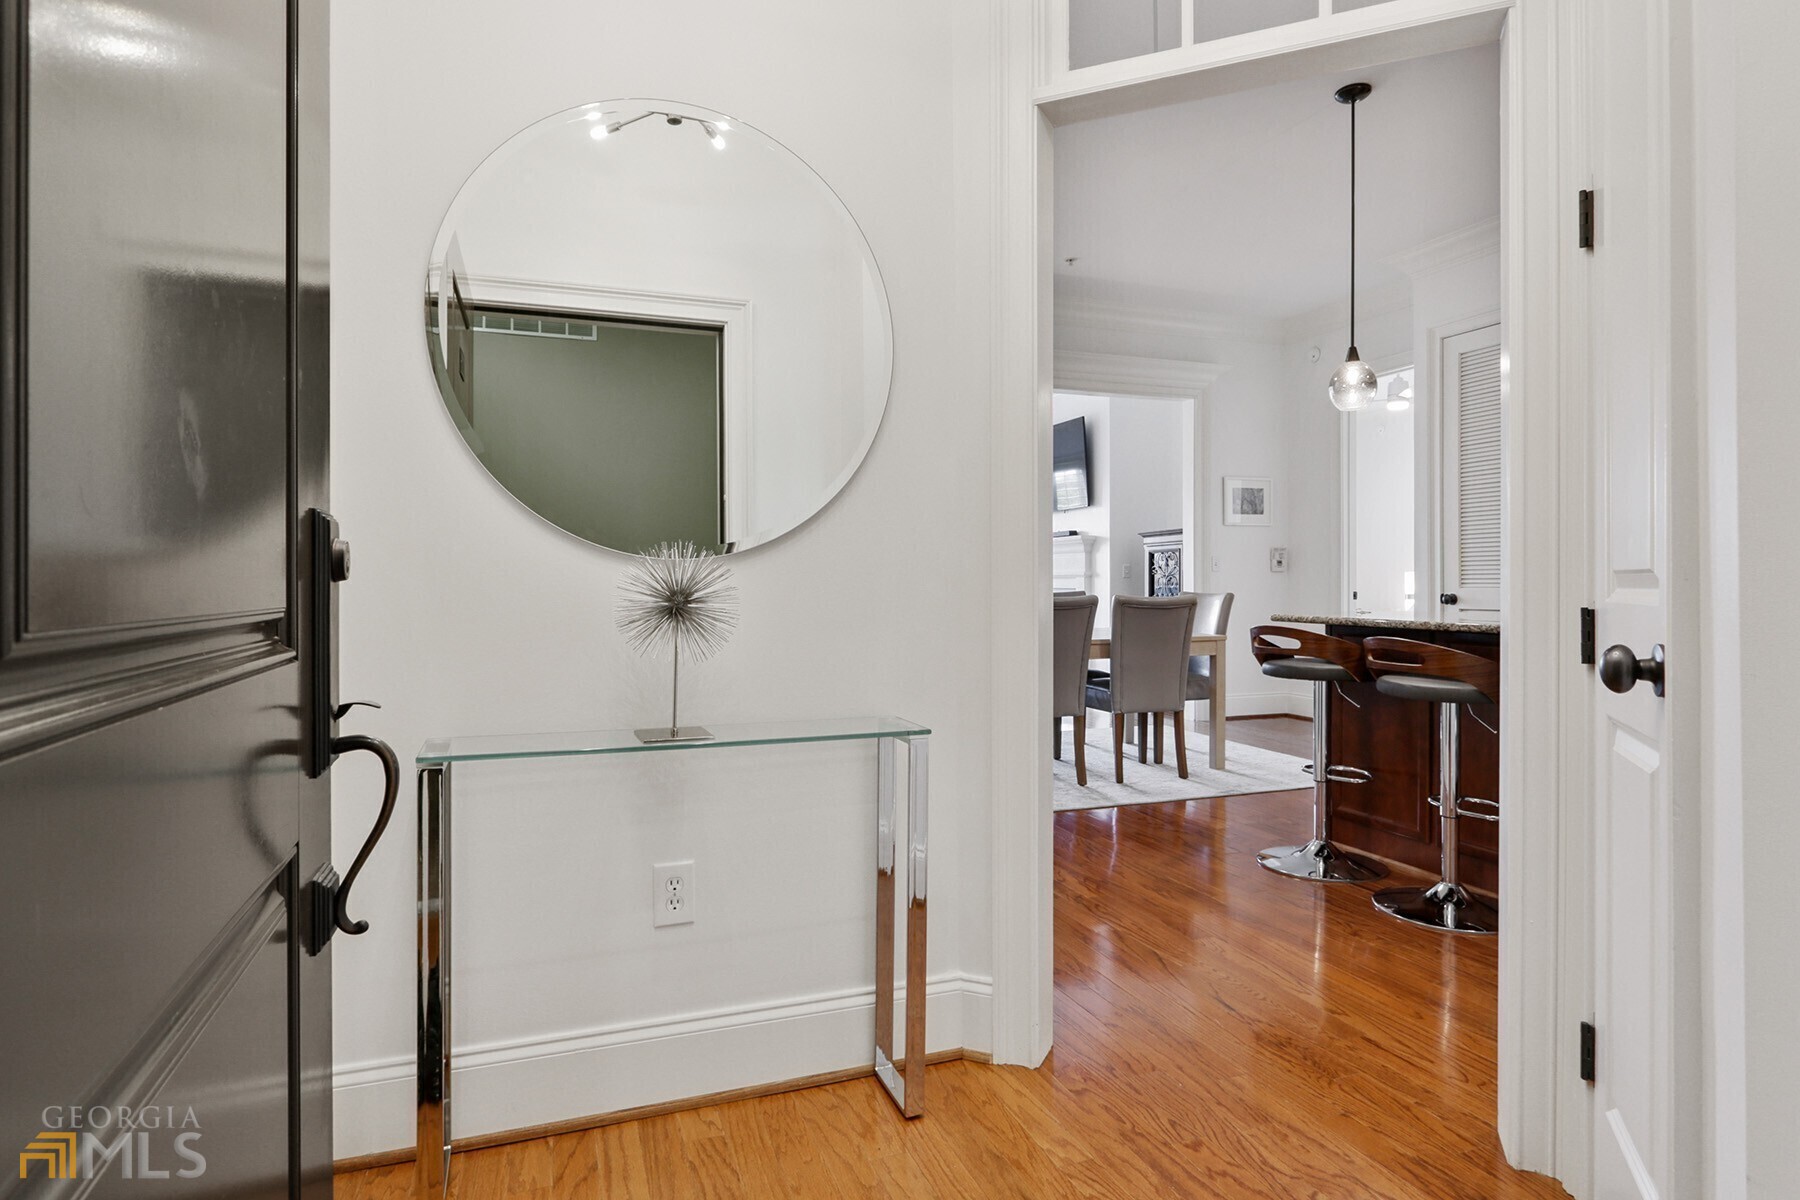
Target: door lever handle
(390,769)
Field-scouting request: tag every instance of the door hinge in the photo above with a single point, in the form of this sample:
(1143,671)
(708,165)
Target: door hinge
(1587,1051)
(321,908)
(1587,637)
(1584,220)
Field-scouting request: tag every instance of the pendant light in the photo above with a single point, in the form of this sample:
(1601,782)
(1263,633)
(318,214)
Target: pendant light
(1352,385)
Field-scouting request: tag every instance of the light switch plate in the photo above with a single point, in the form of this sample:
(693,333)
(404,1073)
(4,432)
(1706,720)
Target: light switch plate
(1278,558)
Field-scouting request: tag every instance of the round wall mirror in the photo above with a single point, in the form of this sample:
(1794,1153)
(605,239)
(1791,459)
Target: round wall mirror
(651,322)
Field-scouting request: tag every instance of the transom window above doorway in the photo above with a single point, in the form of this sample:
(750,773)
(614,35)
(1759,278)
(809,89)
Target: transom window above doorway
(1102,31)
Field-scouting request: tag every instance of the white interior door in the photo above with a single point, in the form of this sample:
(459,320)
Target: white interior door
(1641,862)
(1471,472)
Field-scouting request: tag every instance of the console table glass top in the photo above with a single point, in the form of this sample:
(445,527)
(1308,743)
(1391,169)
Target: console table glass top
(494,746)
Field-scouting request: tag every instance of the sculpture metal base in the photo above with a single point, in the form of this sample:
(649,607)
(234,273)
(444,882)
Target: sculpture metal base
(1321,861)
(683,733)
(1445,906)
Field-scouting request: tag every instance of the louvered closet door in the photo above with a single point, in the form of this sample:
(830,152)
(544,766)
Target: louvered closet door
(1471,392)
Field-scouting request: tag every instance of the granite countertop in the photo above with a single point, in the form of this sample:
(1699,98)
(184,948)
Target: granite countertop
(1371,622)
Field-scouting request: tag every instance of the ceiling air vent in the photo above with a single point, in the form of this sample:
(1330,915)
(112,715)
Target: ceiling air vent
(531,326)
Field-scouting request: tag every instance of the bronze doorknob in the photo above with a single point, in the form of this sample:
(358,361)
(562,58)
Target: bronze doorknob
(1621,668)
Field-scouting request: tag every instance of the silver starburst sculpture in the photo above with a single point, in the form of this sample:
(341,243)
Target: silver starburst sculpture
(677,597)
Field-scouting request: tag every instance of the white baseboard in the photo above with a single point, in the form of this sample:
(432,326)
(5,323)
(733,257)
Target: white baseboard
(536,1081)
(1258,704)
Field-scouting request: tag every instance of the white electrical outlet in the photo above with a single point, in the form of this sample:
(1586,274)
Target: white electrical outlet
(1278,558)
(672,893)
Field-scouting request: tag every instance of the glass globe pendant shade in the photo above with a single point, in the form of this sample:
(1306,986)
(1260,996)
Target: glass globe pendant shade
(1353,385)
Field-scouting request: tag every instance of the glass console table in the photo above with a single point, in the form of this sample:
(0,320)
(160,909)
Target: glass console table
(439,756)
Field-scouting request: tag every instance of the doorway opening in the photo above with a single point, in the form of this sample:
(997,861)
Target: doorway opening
(1213,231)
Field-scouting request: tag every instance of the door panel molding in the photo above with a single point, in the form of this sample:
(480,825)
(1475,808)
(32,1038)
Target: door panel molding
(65,707)
(139,1077)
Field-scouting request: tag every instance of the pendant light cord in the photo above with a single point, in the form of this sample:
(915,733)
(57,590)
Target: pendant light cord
(1353,225)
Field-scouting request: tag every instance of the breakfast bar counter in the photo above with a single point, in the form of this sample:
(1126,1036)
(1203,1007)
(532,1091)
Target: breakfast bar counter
(1396,742)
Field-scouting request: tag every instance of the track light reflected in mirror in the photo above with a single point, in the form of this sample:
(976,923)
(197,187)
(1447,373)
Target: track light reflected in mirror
(607,124)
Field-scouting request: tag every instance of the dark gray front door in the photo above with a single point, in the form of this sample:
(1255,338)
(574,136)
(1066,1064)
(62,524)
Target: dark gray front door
(164,1029)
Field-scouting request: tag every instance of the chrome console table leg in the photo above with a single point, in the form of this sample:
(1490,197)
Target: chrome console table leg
(905,1080)
(432,1171)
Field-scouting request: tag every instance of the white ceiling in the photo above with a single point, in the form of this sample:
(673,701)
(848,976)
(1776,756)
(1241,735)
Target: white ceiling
(1241,201)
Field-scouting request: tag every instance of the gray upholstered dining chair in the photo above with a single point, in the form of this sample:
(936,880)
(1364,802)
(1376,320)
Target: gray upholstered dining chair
(1150,644)
(1211,616)
(1074,632)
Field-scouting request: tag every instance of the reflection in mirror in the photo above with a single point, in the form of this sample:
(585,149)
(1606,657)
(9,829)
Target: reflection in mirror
(651,322)
(1382,496)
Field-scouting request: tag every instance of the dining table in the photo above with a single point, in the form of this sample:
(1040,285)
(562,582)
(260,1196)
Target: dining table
(1206,645)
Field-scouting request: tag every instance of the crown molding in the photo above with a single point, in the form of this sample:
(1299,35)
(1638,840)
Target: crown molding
(1133,375)
(1170,319)
(1467,244)
(1383,301)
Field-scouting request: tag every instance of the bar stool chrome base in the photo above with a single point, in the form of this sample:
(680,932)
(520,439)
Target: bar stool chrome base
(1322,861)
(1319,859)
(1446,906)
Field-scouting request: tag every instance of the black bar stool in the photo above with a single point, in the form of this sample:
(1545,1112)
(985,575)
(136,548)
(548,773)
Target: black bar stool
(1448,678)
(1321,661)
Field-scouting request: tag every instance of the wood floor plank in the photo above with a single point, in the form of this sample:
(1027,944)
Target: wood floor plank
(624,1166)
(1221,1032)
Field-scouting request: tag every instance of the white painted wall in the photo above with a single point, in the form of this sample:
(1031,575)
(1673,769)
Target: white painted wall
(1746,173)
(1382,509)
(1148,462)
(1138,463)
(468,615)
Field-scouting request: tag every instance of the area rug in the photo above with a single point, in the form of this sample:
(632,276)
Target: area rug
(1248,769)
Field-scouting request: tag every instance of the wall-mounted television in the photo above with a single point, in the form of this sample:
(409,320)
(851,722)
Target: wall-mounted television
(1069,464)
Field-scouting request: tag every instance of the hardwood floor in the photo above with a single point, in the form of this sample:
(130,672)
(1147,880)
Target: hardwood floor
(1220,1032)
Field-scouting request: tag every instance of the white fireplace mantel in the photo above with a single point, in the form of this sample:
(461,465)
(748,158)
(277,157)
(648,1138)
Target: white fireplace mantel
(1072,562)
